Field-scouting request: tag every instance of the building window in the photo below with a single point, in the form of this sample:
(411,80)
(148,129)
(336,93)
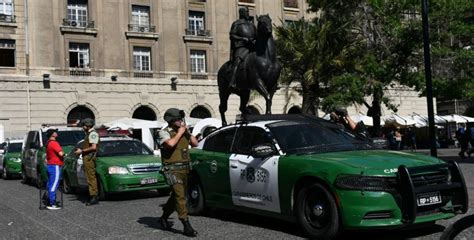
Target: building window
(6,11)
(198,61)
(7,53)
(196,23)
(247,1)
(79,113)
(77,13)
(140,15)
(141,59)
(290,3)
(200,112)
(79,55)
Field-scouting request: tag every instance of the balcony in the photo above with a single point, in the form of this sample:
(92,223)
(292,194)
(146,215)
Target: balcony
(142,74)
(78,27)
(141,31)
(196,75)
(82,72)
(198,35)
(7,20)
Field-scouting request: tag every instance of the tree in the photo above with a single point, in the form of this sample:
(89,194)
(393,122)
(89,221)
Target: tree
(314,52)
(452,41)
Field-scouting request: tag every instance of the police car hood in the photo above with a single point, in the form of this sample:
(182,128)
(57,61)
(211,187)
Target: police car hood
(377,159)
(130,161)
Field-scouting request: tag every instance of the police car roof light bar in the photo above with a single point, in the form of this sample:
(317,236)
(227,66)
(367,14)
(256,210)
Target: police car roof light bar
(287,117)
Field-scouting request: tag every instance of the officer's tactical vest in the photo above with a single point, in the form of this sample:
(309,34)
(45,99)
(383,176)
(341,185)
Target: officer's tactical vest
(177,154)
(87,144)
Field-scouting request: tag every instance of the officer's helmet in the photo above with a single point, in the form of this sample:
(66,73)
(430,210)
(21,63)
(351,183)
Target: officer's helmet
(173,114)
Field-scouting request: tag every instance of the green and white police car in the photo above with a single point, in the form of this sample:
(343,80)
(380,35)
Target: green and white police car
(123,164)
(312,172)
(10,164)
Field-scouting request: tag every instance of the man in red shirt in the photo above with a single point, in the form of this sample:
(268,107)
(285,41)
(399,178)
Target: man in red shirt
(54,157)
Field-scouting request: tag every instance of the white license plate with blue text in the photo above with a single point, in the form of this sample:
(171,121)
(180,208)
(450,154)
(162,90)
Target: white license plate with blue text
(428,198)
(144,181)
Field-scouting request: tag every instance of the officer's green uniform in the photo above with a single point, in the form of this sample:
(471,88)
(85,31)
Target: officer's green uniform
(176,161)
(89,161)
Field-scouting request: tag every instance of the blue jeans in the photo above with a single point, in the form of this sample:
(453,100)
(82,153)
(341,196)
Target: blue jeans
(54,173)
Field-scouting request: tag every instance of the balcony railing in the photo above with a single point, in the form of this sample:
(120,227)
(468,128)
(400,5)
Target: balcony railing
(80,72)
(142,74)
(7,18)
(195,75)
(247,1)
(290,3)
(198,32)
(78,24)
(141,28)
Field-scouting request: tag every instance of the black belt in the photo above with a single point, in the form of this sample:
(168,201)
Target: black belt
(178,166)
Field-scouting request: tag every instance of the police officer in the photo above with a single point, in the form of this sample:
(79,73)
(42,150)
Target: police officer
(339,116)
(174,141)
(89,156)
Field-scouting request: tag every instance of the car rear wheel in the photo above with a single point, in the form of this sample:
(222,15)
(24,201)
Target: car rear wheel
(102,195)
(67,188)
(24,178)
(195,196)
(316,212)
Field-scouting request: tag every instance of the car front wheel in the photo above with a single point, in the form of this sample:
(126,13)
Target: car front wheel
(102,195)
(67,188)
(5,174)
(316,212)
(195,196)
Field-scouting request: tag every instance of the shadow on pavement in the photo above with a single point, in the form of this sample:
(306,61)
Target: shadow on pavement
(414,232)
(152,222)
(83,196)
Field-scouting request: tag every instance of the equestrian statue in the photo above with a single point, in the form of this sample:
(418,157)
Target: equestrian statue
(253,63)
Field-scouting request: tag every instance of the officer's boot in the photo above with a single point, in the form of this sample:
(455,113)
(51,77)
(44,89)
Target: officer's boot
(94,200)
(188,230)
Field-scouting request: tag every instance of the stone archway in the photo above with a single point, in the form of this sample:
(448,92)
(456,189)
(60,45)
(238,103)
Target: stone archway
(295,110)
(79,113)
(200,112)
(145,113)
(253,110)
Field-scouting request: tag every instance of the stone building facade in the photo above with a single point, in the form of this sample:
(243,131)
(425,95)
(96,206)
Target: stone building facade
(67,59)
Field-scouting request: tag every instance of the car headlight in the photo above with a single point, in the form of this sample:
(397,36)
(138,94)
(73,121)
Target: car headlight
(366,183)
(118,170)
(15,159)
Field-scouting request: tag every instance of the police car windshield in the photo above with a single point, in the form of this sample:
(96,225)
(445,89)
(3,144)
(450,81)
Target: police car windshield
(66,138)
(123,148)
(14,147)
(315,137)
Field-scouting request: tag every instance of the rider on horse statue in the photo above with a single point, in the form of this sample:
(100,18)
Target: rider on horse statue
(242,36)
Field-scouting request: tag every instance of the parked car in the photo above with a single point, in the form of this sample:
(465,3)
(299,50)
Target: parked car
(33,156)
(313,172)
(123,164)
(10,163)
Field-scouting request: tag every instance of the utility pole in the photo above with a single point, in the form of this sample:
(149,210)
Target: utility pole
(429,87)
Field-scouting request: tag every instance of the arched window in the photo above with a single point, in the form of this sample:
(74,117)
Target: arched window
(79,113)
(144,113)
(200,112)
(295,110)
(253,110)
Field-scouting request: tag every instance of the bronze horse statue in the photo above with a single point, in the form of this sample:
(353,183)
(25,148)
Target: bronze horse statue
(259,71)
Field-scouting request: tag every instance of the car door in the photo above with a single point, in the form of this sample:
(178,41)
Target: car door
(213,163)
(254,181)
(31,149)
(70,163)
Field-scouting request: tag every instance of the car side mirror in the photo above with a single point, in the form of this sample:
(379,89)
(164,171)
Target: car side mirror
(263,151)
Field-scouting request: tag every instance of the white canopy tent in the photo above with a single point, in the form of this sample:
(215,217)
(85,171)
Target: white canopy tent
(457,118)
(399,121)
(368,121)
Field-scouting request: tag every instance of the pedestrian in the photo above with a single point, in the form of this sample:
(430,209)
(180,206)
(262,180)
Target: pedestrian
(340,116)
(411,139)
(55,162)
(462,138)
(470,134)
(174,141)
(89,156)
(398,138)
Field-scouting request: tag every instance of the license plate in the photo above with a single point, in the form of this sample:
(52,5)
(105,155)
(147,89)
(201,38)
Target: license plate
(428,198)
(144,181)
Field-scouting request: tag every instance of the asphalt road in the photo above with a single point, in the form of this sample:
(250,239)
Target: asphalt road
(134,216)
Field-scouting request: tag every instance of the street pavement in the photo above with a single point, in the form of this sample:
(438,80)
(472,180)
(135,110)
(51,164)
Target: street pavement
(134,216)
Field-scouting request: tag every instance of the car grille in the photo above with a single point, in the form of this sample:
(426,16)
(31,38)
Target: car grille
(430,179)
(142,169)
